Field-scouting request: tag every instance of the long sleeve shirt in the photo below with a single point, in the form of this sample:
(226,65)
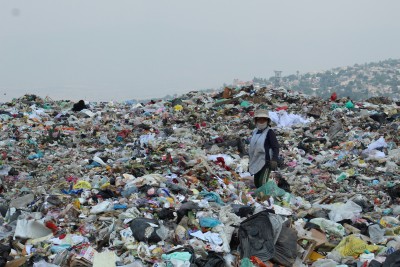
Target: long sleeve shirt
(271,143)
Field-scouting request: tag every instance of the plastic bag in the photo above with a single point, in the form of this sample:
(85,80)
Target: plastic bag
(208,222)
(349,104)
(43,263)
(257,237)
(213,260)
(212,196)
(270,189)
(31,228)
(145,230)
(377,144)
(180,257)
(286,246)
(246,263)
(329,226)
(4,254)
(82,185)
(276,222)
(392,260)
(353,246)
(228,217)
(102,207)
(225,233)
(229,260)
(324,263)
(349,210)
(136,263)
(283,119)
(376,233)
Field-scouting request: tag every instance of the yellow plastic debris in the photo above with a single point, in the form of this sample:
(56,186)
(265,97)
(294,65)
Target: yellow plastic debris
(82,185)
(178,108)
(77,204)
(314,256)
(105,185)
(353,246)
(351,172)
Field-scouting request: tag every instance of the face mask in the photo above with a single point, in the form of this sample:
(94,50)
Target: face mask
(262,126)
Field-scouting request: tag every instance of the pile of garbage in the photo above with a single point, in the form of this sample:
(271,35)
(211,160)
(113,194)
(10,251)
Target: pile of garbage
(166,183)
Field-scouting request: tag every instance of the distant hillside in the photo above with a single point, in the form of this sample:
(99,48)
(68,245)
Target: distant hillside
(358,82)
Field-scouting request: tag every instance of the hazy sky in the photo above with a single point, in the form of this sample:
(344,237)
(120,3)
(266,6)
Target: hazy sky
(126,49)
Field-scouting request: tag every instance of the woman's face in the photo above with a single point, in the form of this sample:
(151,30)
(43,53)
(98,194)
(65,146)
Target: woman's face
(261,120)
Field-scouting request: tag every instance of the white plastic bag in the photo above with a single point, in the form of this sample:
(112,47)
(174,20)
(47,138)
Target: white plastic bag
(376,233)
(283,119)
(329,226)
(102,207)
(43,263)
(377,144)
(31,229)
(324,263)
(340,212)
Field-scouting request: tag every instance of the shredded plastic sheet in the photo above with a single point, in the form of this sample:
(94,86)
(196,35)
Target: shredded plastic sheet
(372,151)
(374,154)
(377,144)
(208,236)
(283,119)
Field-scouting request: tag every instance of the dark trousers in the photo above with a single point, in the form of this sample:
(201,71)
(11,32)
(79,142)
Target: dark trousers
(262,176)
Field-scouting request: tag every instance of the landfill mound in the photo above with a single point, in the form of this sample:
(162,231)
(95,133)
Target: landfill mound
(165,183)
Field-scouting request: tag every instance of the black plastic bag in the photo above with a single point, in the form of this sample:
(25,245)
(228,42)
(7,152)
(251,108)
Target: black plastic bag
(286,246)
(213,260)
(142,232)
(185,208)
(4,254)
(393,260)
(257,237)
(166,214)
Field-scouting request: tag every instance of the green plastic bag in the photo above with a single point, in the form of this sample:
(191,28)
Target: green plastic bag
(334,106)
(47,106)
(349,104)
(212,196)
(270,189)
(246,263)
(245,104)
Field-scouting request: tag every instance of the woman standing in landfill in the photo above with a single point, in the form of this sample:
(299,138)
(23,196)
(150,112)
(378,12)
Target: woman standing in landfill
(263,149)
